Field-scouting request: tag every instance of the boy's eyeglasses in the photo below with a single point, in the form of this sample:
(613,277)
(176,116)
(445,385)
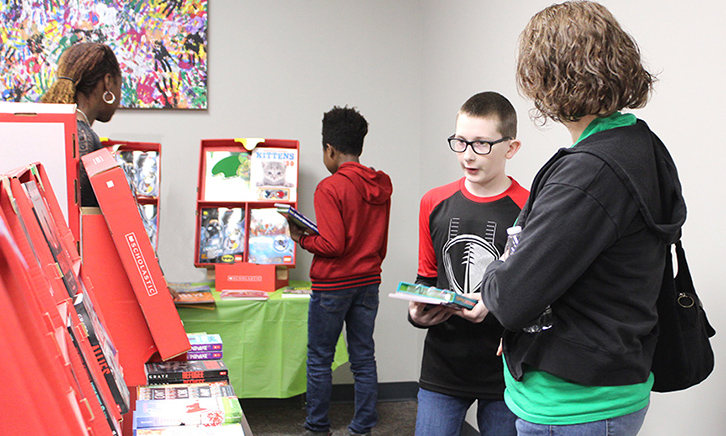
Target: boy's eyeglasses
(479,147)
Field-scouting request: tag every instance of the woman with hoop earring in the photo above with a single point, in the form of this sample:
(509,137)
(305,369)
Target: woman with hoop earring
(89,76)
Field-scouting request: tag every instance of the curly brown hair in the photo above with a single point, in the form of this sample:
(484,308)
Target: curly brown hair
(575,60)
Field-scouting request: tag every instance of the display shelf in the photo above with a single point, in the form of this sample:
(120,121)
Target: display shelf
(237,225)
(40,234)
(141,161)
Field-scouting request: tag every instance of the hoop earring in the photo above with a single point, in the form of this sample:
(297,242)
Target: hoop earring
(113,97)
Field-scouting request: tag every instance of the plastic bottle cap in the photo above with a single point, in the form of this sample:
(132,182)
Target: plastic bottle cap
(514,230)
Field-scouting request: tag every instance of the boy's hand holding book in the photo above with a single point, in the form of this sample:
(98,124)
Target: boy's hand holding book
(477,313)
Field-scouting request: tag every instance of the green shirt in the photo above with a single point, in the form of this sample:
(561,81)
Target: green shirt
(543,398)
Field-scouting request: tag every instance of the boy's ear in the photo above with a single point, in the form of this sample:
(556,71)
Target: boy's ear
(330,150)
(514,146)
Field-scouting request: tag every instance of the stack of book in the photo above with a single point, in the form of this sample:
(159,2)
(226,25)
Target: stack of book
(210,409)
(205,346)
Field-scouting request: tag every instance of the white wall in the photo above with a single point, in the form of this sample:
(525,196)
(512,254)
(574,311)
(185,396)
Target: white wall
(275,67)
(470,46)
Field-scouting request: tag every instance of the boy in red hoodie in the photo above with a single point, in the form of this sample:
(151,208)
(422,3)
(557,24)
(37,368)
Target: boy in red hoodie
(352,209)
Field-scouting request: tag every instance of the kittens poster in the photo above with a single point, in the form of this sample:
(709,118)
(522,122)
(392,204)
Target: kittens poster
(273,175)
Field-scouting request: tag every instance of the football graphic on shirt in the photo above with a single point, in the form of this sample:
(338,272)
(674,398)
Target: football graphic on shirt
(473,253)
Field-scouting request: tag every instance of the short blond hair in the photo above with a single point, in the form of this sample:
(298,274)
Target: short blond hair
(575,60)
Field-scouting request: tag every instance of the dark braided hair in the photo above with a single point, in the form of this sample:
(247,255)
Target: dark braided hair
(80,67)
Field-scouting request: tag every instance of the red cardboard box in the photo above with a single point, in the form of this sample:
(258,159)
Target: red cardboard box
(138,258)
(250,276)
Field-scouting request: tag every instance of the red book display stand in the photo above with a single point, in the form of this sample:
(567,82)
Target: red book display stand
(239,234)
(40,276)
(40,132)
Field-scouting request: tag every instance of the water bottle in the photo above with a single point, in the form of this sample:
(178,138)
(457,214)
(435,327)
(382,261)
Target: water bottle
(512,241)
(543,323)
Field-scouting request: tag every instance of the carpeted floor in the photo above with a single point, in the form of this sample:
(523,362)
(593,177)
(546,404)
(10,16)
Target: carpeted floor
(286,417)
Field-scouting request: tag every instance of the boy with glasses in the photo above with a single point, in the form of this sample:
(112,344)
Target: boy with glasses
(462,228)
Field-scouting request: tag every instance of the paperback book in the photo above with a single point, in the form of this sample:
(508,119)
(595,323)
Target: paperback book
(208,412)
(227,176)
(270,241)
(192,294)
(222,235)
(205,342)
(104,350)
(204,355)
(193,430)
(142,171)
(194,371)
(297,218)
(245,294)
(273,174)
(293,291)
(431,295)
(185,391)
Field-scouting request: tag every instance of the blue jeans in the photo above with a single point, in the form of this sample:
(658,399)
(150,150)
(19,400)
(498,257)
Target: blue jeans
(443,415)
(626,425)
(328,311)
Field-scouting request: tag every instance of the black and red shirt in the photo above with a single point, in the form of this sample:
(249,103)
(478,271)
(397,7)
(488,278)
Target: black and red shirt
(459,235)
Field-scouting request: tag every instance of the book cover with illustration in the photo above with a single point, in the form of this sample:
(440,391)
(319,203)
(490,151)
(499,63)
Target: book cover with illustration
(227,176)
(222,235)
(209,412)
(270,241)
(274,172)
(431,295)
(142,171)
(148,214)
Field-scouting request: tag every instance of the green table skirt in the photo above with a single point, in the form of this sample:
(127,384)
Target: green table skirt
(265,343)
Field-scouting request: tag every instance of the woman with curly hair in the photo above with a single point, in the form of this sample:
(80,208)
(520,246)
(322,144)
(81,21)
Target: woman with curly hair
(89,76)
(577,297)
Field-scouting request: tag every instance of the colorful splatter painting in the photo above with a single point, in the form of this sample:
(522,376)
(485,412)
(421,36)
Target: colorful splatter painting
(160,44)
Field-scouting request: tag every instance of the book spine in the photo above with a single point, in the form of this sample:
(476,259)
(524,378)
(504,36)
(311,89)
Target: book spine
(204,355)
(206,347)
(176,378)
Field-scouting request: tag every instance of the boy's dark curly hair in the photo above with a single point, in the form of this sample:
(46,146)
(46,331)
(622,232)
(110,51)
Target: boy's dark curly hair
(575,60)
(344,129)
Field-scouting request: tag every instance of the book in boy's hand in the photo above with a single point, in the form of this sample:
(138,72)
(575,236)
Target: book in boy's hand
(297,218)
(431,295)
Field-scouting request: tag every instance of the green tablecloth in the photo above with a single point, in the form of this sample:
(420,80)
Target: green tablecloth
(265,343)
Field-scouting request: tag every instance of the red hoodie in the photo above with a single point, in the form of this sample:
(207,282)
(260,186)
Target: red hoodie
(352,209)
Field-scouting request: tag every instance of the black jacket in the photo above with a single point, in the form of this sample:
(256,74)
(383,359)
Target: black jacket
(595,232)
